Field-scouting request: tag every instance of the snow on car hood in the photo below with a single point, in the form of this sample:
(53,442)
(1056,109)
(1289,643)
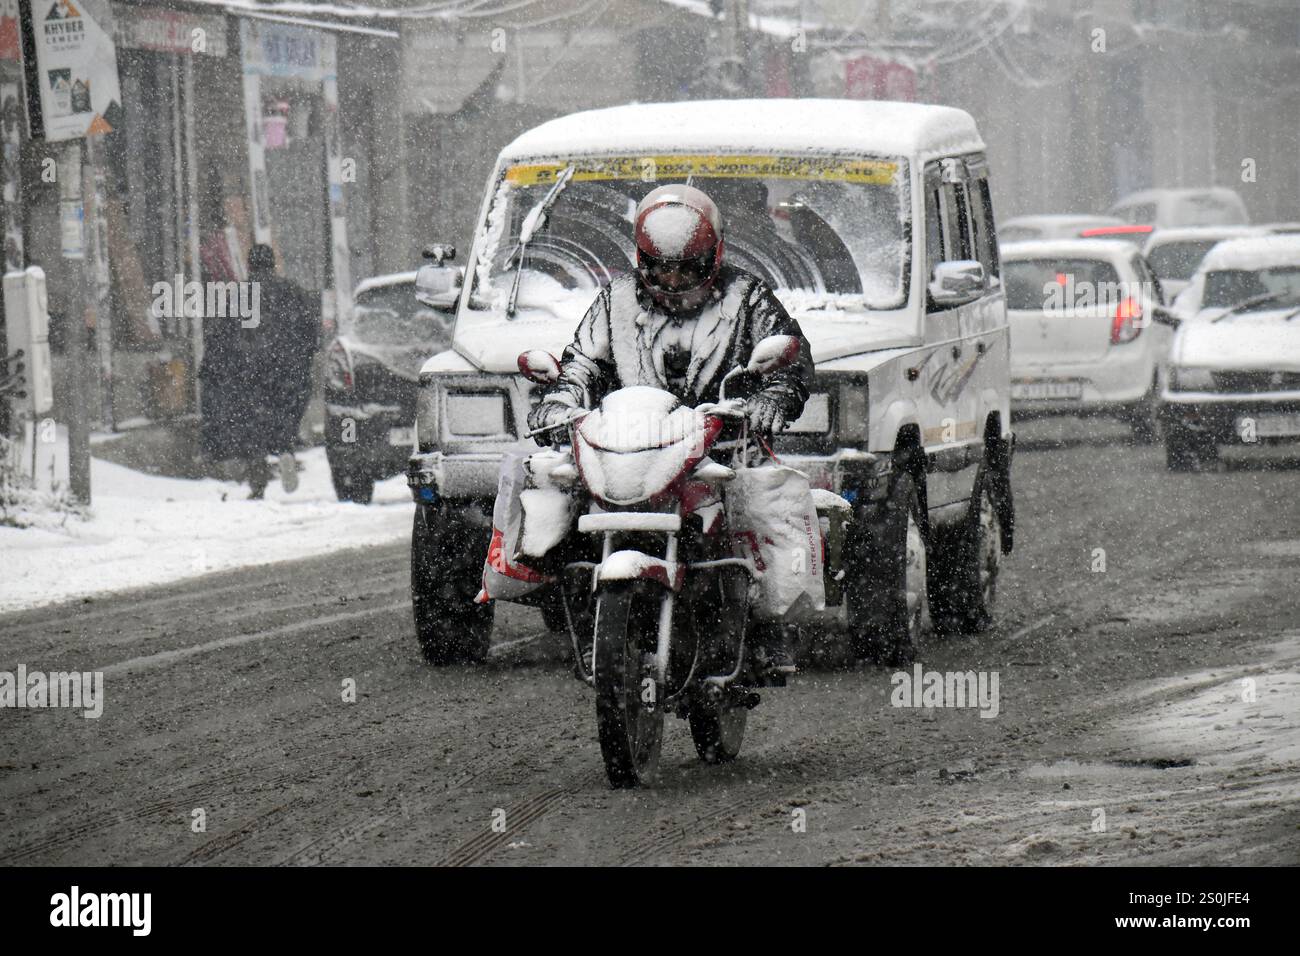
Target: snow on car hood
(1255,340)
(495,346)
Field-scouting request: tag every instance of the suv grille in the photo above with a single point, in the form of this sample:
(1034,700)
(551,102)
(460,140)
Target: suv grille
(1257,381)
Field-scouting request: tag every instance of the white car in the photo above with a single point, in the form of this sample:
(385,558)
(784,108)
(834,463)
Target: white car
(1051,226)
(1083,339)
(1169,208)
(1175,254)
(871,221)
(1234,378)
(1232,272)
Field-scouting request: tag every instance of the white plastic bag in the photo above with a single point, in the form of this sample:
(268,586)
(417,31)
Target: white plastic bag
(504,576)
(774,523)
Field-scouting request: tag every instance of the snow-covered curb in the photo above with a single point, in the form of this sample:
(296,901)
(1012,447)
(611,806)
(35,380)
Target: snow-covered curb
(146,530)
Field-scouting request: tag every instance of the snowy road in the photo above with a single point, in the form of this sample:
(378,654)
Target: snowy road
(1148,713)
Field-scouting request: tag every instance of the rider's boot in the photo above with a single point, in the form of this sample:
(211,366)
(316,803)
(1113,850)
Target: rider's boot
(773,655)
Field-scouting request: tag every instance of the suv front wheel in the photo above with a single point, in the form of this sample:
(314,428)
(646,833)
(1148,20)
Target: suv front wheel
(446,575)
(887,599)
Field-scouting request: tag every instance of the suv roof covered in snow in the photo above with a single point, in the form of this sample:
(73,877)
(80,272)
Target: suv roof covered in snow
(872,127)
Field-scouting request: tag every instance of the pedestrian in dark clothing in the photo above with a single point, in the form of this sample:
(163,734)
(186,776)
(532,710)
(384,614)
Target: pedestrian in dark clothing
(257,384)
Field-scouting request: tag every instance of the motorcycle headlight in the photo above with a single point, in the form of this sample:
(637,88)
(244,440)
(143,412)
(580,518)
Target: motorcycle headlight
(1192,379)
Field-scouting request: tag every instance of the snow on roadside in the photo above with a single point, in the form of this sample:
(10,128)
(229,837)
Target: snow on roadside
(145,530)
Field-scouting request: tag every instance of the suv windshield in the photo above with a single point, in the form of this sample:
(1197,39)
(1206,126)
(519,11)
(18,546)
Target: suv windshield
(1178,260)
(1228,287)
(824,232)
(390,315)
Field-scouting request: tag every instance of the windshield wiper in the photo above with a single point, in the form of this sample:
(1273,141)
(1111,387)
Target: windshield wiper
(534,221)
(1250,303)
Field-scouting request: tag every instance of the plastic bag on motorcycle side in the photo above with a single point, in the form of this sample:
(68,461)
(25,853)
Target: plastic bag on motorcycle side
(505,577)
(773,521)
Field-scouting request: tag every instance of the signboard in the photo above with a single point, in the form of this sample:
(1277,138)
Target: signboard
(168,31)
(867,78)
(71,71)
(279,49)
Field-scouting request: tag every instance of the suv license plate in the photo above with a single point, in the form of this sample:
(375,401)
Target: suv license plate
(401,436)
(1274,426)
(1048,390)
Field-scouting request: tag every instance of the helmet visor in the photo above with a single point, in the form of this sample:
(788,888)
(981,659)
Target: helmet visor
(675,275)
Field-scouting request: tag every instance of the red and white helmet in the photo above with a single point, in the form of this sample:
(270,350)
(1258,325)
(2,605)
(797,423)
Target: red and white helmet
(678,246)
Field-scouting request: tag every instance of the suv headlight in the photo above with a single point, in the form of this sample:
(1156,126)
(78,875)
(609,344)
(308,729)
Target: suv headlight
(853,410)
(1192,379)
(477,414)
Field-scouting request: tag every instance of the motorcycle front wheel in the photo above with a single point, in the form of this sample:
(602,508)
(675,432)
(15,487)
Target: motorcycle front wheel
(718,729)
(629,719)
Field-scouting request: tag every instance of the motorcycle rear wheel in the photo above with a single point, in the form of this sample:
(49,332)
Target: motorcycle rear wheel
(631,733)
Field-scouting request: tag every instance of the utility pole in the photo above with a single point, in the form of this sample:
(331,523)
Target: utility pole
(735,43)
(76,177)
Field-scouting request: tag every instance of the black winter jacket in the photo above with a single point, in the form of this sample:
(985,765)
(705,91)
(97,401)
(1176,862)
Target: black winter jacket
(614,346)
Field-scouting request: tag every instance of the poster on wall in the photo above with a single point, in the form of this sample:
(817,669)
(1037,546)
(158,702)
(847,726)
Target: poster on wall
(72,88)
(9,48)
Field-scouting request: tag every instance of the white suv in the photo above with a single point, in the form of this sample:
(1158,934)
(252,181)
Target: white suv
(1083,340)
(873,224)
(1175,254)
(1166,208)
(1234,372)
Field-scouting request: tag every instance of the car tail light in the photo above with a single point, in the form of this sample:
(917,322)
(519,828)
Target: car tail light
(1127,324)
(338,368)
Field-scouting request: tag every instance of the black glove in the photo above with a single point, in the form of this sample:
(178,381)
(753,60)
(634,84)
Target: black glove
(764,414)
(546,413)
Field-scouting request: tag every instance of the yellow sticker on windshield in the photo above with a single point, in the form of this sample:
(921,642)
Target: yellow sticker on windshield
(655,168)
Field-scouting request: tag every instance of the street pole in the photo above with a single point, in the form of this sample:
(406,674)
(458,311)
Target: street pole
(75,176)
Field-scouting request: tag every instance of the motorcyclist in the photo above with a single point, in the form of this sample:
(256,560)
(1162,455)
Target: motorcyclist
(680,323)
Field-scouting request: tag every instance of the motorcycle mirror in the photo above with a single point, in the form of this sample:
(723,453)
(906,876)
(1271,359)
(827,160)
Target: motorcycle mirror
(772,354)
(539,366)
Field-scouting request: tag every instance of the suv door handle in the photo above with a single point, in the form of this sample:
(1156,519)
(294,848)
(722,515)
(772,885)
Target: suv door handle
(956,351)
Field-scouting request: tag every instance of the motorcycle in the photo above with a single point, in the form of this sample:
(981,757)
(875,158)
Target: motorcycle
(668,599)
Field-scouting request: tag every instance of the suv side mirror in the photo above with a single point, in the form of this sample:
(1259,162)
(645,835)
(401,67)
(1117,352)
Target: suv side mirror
(772,354)
(438,286)
(957,282)
(1165,316)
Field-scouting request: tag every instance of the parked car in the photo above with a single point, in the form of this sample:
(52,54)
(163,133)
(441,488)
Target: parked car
(371,379)
(1174,254)
(1287,228)
(1082,337)
(1235,271)
(872,222)
(1234,378)
(1051,226)
(1170,208)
